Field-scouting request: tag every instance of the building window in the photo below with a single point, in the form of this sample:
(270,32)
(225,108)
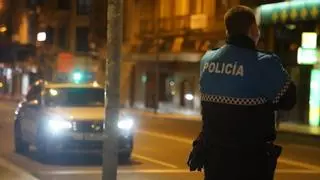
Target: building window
(83,7)
(82,44)
(32,3)
(63,38)
(64,4)
(166,8)
(196,6)
(50,35)
(222,7)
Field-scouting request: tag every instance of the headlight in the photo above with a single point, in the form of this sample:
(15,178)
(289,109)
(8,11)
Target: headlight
(57,124)
(125,124)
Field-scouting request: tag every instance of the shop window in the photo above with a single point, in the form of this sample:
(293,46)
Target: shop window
(290,39)
(186,93)
(170,88)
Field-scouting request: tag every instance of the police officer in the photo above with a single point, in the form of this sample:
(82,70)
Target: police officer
(241,88)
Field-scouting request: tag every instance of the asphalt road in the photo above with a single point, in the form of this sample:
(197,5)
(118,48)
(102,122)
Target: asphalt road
(161,148)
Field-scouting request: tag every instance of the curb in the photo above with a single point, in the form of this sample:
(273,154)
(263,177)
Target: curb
(299,138)
(295,136)
(10,99)
(162,115)
(16,169)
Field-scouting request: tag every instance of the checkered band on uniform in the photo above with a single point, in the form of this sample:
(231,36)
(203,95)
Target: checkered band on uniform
(232,100)
(282,92)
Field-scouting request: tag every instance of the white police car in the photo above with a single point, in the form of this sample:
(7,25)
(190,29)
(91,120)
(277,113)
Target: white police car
(65,117)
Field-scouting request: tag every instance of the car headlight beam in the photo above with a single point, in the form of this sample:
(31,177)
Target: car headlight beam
(59,124)
(125,124)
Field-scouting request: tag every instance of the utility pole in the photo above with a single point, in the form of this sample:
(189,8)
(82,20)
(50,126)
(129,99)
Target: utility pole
(112,88)
(157,70)
(156,105)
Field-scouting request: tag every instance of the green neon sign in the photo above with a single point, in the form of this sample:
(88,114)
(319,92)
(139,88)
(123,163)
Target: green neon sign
(308,56)
(290,11)
(314,102)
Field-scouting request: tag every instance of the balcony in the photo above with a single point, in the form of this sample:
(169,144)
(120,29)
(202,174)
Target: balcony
(147,26)
(165,24)
(181,24)
(175,24)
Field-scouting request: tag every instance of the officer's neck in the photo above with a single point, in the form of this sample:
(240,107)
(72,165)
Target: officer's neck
(242,41)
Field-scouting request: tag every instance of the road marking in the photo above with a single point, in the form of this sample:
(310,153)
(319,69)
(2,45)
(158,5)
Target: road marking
(164,136)
(159,171)
(12,167)
(154,161)
(296,171)
(305,147)
(189,141)
(69,172)
(299,164)
(148,171)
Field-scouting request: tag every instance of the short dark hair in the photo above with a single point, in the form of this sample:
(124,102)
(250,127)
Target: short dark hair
(238,20)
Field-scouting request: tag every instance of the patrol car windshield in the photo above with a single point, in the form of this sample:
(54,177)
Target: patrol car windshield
(73,97)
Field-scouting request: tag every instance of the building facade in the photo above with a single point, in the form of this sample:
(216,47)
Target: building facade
(288,22)
(170,37)
(66,28)
(65,23)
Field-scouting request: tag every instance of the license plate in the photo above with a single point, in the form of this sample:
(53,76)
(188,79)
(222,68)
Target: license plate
(93,137)
(76,136)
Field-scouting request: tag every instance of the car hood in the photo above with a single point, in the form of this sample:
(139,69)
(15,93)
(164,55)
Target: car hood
(79,113)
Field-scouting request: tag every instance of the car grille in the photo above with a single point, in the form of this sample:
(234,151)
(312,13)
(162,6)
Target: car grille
(88,126)
(83,145)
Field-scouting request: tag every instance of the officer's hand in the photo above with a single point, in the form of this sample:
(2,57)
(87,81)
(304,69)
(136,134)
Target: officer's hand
(193,165)
(196,158)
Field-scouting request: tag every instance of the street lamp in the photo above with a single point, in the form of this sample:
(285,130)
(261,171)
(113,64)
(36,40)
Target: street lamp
(3,29)
(41,36)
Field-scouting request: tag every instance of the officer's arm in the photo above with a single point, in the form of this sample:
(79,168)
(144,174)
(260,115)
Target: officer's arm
(275,83)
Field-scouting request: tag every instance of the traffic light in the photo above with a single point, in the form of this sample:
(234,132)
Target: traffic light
(77,77)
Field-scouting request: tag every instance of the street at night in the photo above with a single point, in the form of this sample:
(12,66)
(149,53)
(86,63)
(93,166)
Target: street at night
(160,151)
(82,81)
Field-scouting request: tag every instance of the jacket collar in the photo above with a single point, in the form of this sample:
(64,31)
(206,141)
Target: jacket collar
(241,41)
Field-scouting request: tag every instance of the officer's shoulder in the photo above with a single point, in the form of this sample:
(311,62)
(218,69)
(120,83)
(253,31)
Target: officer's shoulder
(209,53)
(265,55)
(214,49)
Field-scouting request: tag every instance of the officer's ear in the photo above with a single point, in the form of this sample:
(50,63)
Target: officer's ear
(254,32)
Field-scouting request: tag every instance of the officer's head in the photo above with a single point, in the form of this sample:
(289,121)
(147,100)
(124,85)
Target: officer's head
(240,20)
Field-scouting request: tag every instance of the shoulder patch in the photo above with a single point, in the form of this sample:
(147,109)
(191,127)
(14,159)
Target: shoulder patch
(266,54)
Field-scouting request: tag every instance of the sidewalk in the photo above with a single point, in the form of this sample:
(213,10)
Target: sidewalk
(9,171)
(284,126)
(10,98)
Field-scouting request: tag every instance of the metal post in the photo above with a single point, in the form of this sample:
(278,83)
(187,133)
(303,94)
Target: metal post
(157,70)
(112,87)
(156,107)
(14,51)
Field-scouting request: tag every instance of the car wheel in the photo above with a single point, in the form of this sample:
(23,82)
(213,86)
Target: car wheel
(42,147)
(20,145)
